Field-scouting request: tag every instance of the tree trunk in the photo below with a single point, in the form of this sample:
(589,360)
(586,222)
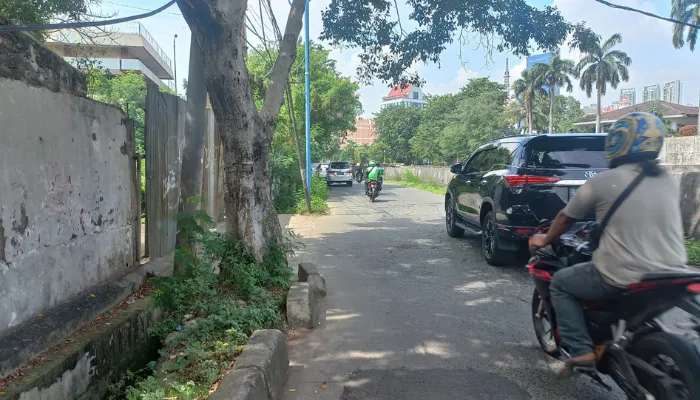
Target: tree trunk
(246,133)
(597,112)
(530,119)
(551,109)
(195,121)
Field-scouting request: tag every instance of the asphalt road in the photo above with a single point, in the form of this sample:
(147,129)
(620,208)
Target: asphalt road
(415,314)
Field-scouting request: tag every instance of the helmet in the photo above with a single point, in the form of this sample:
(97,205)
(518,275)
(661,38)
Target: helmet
(636,137)
(372,163)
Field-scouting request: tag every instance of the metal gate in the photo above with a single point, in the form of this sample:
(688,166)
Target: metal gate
(164,135)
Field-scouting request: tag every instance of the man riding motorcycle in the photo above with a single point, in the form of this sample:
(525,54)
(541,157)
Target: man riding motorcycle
(374,173)
(643,235)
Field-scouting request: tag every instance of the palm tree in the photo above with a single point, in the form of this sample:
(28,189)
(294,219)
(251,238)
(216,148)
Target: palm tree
(528,87)
(687,11)
(553,75)
(602,65)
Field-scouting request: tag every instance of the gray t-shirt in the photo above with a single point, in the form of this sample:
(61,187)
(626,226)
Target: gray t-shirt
(644,235)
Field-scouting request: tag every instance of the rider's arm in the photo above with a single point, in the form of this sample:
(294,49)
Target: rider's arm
(579,207)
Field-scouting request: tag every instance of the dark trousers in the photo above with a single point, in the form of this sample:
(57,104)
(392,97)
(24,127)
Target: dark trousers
(569,287)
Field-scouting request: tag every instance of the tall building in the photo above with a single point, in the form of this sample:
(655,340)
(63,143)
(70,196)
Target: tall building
(506,78)
(545,58)
(673,92)
(651,92)
(364,133)
(630,95)
(411,96)
(131,48)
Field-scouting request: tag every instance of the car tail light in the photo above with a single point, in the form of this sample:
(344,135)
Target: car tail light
(518,180)
(693,287)
(348,171)
(331,172)
(523,231)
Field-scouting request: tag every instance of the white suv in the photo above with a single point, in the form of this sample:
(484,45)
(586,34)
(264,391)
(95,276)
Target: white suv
(339,172)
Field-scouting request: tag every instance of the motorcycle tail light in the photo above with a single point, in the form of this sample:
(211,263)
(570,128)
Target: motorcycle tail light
(693,287)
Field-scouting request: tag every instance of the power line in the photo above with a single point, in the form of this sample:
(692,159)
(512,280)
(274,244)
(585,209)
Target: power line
(648,14)
(138,8)
(87,24)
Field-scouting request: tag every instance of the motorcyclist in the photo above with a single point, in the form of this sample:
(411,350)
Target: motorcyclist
(358,171)
(374,173)
(644,235)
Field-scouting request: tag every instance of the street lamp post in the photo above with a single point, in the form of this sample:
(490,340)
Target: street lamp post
(307,83)
(175,62)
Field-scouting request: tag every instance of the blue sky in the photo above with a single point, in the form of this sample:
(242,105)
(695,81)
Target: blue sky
(646,40)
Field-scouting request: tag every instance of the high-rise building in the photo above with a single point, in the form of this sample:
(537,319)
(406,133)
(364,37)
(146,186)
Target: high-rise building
(651,92)
(506,78)
(411,96)
(673,92)
(630,95)
(131,48)
(545,58)
(364,133)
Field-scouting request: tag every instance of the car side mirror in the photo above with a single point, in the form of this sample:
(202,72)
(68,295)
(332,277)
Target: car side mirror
(456,169)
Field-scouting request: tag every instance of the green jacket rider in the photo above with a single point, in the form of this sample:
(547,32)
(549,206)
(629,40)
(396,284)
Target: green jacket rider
(374,173)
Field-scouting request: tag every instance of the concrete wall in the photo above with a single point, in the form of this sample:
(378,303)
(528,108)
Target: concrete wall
(67,184)
(441,175)
(681,153)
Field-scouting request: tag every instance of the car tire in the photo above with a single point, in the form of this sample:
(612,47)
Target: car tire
(451,221)
(489,242)
(328,183)
(350,184)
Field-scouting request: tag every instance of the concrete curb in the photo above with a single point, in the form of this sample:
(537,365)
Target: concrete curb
(309,272)
(301,306)
(37,335)
(260,371)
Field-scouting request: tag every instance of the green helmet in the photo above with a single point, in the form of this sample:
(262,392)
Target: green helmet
(372,163)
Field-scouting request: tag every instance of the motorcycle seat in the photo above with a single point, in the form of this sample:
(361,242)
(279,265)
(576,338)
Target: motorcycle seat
(666,276)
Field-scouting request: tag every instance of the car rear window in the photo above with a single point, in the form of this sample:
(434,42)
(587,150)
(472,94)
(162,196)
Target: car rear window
(340,165)
(563,152)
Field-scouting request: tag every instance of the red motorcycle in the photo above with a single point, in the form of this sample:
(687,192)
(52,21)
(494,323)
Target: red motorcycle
(372,190)
(644,358)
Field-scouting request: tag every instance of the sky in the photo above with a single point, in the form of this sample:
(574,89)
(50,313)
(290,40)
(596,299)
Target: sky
(646,40)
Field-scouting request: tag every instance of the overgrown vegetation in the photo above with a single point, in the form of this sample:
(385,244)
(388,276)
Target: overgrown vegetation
(319,194)
(412,180)
(210,310)
(693,247)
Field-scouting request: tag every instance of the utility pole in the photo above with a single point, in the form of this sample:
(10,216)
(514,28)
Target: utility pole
(175,62)
(697,128)
(307,83)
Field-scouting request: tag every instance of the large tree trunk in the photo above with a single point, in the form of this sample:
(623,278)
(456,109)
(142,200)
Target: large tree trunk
(246,133)
(530,119)
(597,112)
(551,109)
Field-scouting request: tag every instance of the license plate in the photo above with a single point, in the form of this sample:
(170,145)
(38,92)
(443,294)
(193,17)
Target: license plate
(340,173)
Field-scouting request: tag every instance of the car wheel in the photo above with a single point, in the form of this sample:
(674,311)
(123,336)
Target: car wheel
(451,221)
(328,183)
(350,184)
(489,242)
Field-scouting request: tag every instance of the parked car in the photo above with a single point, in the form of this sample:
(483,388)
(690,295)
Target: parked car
(509,185)
(322,171)
(339,172)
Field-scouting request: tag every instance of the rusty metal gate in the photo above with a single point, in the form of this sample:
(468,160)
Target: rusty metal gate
(164,135)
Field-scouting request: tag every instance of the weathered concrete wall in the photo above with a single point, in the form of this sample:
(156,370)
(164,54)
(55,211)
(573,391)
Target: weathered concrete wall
(681,153)
(67,187)
(441,175)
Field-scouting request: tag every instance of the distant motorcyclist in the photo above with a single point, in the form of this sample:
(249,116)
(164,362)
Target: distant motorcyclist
(644,235)
(359,173)
(374,173)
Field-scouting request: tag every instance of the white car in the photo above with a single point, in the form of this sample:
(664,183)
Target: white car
(322,171)
(339,172)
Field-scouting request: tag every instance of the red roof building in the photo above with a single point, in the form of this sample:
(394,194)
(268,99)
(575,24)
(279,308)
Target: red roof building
(410,96)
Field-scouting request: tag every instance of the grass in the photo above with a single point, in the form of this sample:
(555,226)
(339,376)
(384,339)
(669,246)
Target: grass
(412,180)
(693,247)
(319,194)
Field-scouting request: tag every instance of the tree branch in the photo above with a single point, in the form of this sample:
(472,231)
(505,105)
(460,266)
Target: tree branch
(285,58)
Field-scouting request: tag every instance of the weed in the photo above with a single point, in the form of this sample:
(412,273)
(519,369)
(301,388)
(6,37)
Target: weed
(693,248)
(412,180)
(319,194)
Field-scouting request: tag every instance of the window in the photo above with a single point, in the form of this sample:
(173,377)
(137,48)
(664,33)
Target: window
(574,152)
(340,165)
(476,162)
(415,95)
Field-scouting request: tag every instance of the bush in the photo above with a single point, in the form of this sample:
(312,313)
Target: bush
(693,248)
(319,194)
(226,308)
(688,130)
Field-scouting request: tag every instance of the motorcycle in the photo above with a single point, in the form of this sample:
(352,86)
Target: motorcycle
(372,190)
(642,356)
(358,176)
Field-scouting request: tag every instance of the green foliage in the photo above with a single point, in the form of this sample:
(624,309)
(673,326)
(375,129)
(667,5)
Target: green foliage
(555,74)
(224,295)
(389,50)
(319,194)
(395,128)
(35,12)
(526,89)
(693,248)
(412,180)
(687,11)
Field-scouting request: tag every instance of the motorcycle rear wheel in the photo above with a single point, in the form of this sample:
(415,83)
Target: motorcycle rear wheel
(673,355)
(544,331)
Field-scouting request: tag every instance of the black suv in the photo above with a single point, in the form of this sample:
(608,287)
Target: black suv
(510,185)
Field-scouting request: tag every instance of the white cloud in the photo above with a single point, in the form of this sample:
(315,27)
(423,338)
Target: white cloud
(517,70)
(461,78)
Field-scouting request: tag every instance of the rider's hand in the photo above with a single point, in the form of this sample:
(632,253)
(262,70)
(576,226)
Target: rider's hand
(538,241)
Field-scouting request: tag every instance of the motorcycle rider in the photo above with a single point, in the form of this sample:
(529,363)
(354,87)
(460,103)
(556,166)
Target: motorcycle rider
(374,173)
(644,235)
(358,172)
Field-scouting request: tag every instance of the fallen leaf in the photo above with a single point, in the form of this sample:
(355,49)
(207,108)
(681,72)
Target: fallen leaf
(323,386)
(40,315)
(292,390)
(92,295)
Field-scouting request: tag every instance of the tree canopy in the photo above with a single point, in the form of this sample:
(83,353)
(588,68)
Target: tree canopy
(395,128)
